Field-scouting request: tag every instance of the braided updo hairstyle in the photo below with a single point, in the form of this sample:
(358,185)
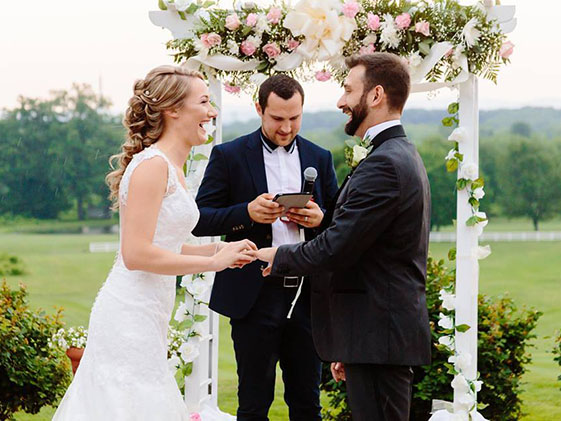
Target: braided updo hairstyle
(163,88)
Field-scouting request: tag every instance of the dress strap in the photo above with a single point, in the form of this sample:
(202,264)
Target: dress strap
(137,159)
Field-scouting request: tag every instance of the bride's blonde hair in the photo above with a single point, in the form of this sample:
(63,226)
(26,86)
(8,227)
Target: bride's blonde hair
(163,88)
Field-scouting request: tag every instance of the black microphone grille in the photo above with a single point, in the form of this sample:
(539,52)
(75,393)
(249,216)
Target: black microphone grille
(310,174)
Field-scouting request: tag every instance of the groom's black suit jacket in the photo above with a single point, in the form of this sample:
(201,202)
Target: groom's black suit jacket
(235,175)
(369,265)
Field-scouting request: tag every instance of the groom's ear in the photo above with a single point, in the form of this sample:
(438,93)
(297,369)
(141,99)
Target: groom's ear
(259,109)
(376,96)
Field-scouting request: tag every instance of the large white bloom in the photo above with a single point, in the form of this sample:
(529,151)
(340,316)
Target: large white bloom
(480,225)
(458,135)
(463,361)
(182,5)
(414,60)
(198,288)
(470,33)
(469,170)
(181,312)
(448,300)
(189,350)
(325,31)
(262,25)
(482,252)
(390,34)
(460,384)
(445,322)
(359,153)
(447,341)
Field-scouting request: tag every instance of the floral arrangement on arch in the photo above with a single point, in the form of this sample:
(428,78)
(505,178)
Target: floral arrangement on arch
(440,40)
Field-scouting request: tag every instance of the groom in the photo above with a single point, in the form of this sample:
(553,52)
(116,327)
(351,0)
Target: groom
(369,310)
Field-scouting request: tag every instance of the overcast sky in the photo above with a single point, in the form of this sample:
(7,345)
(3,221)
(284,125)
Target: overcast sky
(47,45)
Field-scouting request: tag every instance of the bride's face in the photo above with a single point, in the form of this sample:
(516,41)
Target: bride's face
(195,112)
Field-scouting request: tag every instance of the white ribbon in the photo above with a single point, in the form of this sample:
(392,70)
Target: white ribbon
(221,62)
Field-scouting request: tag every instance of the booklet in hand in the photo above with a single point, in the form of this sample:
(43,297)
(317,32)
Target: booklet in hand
(292,200)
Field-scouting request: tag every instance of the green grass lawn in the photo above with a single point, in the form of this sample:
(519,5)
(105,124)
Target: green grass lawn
(62,272)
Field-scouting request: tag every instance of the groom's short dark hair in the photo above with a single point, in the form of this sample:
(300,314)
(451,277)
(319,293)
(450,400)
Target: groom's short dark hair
(282,85)
(388,70)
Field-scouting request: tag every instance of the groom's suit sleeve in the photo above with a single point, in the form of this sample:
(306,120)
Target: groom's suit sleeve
(371,203)
(218,215)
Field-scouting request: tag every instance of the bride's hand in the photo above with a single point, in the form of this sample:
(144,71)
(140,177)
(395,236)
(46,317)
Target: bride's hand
(235,254)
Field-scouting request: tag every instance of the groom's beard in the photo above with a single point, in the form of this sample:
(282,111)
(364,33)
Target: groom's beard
(358,114)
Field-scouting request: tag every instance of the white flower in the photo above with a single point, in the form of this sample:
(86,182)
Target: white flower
(189,350)
(470,33)
(445,322)
(325,31)
(414,59)
(482,224)
(248,5)
(482,252)
(359,153)
(459,415)
(463,361)
(448,300)
(451,154)
(181,312)
(370,39)
(390,34)
(182,5)
(186,280)
(458,57)
(202,14)
(469,171)
(458,135)
(447,341)
(478,193)
(460,384)
(262,25)
(467,400)
(233,47)
(173,362)
(198,288)
(477,384)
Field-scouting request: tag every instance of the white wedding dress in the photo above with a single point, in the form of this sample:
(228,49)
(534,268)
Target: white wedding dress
(124,373)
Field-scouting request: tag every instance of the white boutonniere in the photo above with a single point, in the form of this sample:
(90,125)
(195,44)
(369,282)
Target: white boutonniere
(356,150)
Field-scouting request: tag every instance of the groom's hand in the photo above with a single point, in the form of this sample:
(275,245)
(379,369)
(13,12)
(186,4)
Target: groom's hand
(266,254)
(308,217)
(338,371)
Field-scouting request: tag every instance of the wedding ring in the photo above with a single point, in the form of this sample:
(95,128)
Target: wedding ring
(305,219)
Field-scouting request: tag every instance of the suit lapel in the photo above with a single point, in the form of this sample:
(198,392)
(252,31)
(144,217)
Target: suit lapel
(306,158)
(256,163)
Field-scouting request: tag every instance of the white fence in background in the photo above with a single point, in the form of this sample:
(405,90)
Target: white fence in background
(450,237)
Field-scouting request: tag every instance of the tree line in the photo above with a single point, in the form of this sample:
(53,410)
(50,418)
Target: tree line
(55,155)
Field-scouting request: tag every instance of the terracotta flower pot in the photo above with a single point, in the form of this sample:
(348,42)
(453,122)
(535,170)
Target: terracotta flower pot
(75,354)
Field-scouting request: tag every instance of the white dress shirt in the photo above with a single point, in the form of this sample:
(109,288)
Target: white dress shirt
(284,175)
(374,131)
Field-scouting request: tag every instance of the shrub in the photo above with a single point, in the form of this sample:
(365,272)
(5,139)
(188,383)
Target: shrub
(504,335)
(557,351)
(32,374)
(10,265)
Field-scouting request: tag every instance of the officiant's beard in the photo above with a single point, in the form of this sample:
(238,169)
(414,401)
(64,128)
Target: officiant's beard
(358,114)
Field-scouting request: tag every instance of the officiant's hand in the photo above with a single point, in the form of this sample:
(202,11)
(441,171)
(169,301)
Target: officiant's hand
(338,371)
(263,210)
(266,254)
(309,217)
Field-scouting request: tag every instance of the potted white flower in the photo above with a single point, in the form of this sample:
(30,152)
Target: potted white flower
(73,341)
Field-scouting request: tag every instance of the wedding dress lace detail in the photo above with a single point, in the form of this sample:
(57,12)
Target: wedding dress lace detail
(124,373)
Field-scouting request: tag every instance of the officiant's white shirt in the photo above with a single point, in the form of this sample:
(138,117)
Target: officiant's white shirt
(374,131)
(284,175)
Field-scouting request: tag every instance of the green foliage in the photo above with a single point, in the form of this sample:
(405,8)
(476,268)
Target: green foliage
(504,335)
(32,374)
(11,265)
(55,154)
(557,351)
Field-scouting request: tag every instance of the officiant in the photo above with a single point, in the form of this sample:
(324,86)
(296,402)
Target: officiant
(270,318)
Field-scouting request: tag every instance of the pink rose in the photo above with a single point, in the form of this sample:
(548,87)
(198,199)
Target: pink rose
(248,48)
(368,49)
(272,50)
(423,27)
(506,49)
(195,417)
(373,21)
(274,15)
(323,75)
(292,44)
(210,40)
(350,8)
(251,19)
(232,22)
(232,89)
(403,21)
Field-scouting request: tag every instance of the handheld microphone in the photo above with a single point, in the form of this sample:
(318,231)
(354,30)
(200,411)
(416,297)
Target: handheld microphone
(310,175)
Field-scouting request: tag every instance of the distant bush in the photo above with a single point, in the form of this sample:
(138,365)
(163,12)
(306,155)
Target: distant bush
(557,351)
(32,374)
(10,265)
(503,338)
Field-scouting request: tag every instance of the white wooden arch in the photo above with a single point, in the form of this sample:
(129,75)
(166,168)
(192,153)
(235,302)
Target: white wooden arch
(202,385)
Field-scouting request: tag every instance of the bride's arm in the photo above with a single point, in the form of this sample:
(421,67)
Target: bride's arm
(140,214)
(202,250)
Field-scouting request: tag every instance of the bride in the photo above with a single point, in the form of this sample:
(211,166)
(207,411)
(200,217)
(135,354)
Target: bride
(124,373)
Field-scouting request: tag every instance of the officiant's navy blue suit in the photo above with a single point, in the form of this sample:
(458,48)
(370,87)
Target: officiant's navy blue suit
(258,306)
